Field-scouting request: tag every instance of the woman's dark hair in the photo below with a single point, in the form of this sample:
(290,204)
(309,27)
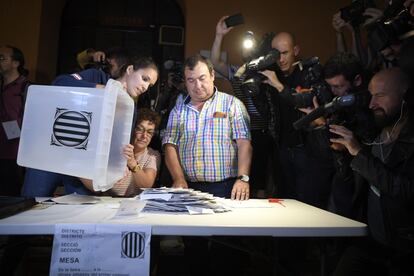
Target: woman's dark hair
(17,55)
(139,63)
(146,114)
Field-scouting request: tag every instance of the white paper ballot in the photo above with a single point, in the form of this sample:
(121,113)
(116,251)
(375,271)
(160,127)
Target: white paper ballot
(163,196)
(76,199)
(101,249)
(12,129)
(130,207)
(198,211)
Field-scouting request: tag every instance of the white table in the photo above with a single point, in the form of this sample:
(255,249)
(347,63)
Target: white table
(296,219)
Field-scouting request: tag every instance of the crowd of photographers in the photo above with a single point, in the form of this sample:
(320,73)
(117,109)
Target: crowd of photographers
(342,135)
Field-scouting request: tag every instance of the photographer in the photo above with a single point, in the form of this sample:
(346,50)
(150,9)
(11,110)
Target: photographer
(110,62)
(345,76)
(387,169)
(304,175)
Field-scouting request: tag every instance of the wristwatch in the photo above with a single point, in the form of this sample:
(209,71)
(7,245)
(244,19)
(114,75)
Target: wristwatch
(244,178)
(136,168)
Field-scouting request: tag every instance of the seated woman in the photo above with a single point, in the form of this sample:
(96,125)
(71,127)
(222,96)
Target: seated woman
(137,75)
(143,163)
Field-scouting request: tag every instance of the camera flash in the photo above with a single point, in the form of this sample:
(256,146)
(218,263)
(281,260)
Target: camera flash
(248,40)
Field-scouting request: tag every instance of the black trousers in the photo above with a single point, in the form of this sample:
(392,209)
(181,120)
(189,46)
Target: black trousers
(370,258)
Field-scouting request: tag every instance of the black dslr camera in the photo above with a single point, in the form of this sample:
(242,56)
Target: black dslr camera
(313,79)
(396,22)
(320,90)
(353,13)
(99,65)
(252,77)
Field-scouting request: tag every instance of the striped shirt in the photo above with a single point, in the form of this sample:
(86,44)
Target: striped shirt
(257,121)
(206,139)
(149,159)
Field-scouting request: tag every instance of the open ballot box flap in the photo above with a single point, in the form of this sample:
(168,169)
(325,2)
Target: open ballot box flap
(77,131)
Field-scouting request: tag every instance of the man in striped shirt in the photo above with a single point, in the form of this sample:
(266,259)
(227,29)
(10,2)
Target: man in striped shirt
(207,140)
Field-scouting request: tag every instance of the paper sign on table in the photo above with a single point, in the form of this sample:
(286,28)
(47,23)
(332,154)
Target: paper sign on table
(101,249)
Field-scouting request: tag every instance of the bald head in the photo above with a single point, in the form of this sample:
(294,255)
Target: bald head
(285,37)
(393,80)
(387,88)
(285,43)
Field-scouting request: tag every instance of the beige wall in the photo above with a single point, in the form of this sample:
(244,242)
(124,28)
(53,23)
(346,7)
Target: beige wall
(33,26)
(49,40)
(20,27)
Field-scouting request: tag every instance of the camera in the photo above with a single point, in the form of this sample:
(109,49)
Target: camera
(100,65)
(252,77)
(350,111)
(353,13)
(313,79)
(320,90)
(359,100)
(396,22)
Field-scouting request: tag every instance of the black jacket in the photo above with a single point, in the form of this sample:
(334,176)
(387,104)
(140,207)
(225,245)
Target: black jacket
(279,108)
(390,201)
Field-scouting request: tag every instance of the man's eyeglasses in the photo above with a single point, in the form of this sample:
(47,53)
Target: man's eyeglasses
(141,130)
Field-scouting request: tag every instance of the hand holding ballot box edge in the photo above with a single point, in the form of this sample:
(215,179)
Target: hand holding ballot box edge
(77,131)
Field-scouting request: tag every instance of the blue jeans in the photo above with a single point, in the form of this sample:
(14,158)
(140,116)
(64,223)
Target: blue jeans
(38,183)
(220,188)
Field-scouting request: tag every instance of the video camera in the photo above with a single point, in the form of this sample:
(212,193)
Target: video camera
(396,22)
(353,13)
(312,79)
(252,77)
(338,103)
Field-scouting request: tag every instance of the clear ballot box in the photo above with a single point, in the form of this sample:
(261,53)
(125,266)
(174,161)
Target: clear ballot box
(77,131)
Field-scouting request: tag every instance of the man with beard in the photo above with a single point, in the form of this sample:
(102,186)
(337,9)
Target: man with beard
(388,171)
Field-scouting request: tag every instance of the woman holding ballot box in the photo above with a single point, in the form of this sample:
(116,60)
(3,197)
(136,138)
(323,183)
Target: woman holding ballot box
(143,162)
(136,77)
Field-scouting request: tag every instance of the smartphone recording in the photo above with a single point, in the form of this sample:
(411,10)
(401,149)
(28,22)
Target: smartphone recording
(234,20)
